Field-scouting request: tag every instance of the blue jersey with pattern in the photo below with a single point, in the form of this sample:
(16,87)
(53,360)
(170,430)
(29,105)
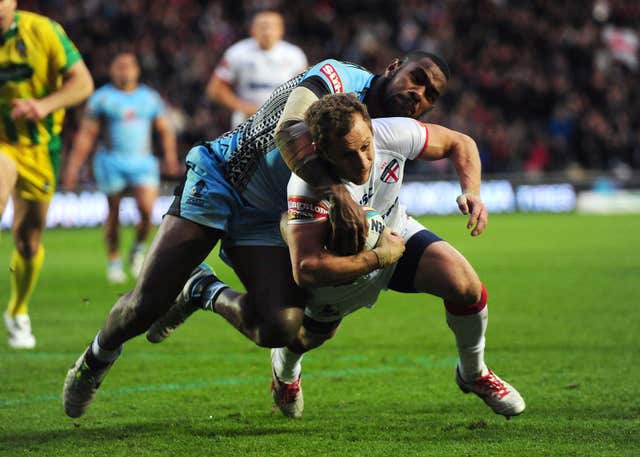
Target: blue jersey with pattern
(249,152)
(126,119)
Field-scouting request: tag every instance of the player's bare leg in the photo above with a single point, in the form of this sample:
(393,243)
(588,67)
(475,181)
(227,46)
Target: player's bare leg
(177,248)
(29,220)
(444,272)
(270,313)
(115,270)
(145,196)
(8,179)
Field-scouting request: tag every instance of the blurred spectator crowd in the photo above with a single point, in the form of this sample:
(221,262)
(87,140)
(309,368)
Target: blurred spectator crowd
(541,85)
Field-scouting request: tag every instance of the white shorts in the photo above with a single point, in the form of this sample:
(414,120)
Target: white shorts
(327,304)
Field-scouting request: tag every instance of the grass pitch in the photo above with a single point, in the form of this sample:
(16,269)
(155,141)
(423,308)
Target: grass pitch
(564,329)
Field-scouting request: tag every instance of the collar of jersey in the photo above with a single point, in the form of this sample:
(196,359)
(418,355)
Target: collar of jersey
(13,29)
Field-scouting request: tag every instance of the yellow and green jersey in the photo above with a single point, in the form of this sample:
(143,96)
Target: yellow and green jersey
(34,54)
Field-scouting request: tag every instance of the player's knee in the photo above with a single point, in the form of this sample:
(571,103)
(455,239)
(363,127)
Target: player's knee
(465,291)
(281,330)
(315,340)
(145,216)
(4,199)
(28,246)
(471,300)
(138,310)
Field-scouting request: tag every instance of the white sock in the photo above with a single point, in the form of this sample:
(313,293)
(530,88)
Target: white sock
(469,331)
(286,364)
(104,355)
(115,263)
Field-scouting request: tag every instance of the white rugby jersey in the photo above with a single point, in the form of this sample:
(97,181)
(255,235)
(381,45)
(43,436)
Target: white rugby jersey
(395,141)
(255,72)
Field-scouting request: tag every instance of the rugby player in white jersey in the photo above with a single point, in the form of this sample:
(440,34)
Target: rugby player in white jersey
(369,157)
(251,69)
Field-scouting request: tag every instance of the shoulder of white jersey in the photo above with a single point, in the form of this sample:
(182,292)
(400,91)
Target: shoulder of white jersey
(292,49)
(401,135)
(234,55)
(304,205)
(239,47)
(299,186)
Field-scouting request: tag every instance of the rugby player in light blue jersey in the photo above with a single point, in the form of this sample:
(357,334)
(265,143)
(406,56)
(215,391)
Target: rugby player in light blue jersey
(234,191)
(122,116)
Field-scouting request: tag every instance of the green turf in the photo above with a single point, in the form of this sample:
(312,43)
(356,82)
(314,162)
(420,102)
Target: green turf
(564,294)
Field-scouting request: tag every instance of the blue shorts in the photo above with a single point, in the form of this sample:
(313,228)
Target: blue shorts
(114,173)
(250,218)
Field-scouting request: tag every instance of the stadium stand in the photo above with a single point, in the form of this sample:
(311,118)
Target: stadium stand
(543,86)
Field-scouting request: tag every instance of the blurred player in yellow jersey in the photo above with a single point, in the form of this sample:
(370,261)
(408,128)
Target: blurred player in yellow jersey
(41,73)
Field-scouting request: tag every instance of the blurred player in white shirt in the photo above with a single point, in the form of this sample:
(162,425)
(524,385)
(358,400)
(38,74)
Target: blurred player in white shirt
(252,68)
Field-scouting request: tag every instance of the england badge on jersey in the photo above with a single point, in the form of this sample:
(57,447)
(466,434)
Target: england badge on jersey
(391,172)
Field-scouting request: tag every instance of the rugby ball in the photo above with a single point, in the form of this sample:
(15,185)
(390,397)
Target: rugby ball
(376,227)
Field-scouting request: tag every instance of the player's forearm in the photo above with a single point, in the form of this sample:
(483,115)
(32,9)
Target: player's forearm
(331,270)
(465,157)
(81,149)
(296,147)
(222,94)
(76,87)
(169,146)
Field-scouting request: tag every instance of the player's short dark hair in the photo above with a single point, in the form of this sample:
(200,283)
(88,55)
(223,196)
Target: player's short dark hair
(440,62)
(271,10)
(124,49)
(332,117)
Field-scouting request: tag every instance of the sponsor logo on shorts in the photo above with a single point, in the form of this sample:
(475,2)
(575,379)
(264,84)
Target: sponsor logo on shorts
(391,172)
(196,191)
(196,194)
(305,209)
(332,74)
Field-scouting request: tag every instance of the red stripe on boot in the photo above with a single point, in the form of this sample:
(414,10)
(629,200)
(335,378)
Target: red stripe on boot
(465,310)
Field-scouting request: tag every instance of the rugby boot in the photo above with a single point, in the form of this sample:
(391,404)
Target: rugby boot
(287,396)
(201,278)
(498,394)
(80,386)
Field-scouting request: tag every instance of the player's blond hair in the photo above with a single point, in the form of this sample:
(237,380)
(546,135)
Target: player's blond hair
(331,117)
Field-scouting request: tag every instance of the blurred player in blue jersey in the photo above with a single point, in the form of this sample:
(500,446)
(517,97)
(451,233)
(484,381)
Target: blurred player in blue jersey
(234,191)
(122,116)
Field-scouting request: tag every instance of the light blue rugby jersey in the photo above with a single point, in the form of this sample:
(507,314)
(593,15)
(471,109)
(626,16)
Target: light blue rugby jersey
(252,161)
(125,119)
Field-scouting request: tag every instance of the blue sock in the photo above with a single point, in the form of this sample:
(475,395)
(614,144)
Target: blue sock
(210,294)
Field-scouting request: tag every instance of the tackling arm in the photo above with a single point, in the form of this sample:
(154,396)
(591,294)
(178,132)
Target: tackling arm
(298,152)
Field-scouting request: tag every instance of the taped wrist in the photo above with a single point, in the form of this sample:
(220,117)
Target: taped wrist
(383,256)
